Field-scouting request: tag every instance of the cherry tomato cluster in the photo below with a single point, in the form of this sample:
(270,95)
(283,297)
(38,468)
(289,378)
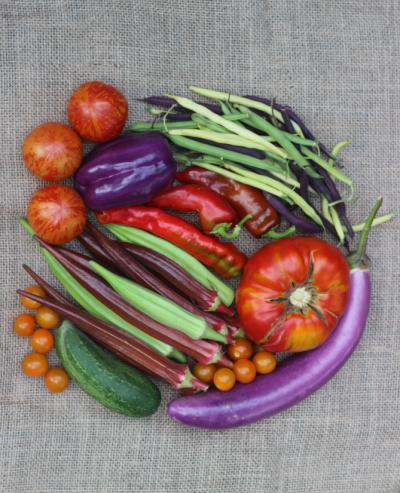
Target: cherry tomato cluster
(38,328)
(247,362)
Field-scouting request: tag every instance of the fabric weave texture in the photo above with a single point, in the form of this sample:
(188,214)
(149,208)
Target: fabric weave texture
(338,64)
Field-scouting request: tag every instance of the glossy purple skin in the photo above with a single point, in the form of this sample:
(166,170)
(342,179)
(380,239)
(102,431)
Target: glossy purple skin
(129,170)
(293,380)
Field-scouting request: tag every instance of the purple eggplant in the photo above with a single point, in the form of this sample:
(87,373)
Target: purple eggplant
(129,170)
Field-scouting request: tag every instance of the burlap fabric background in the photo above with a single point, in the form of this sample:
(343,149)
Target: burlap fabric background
(338,64)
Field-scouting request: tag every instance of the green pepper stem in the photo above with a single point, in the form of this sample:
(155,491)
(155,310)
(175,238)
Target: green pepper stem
(226,231)
(359,256)
(273,234)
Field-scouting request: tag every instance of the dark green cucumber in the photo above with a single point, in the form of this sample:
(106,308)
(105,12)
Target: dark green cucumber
(111,382)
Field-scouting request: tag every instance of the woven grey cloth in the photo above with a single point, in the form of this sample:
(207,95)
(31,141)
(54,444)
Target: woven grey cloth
(338,64)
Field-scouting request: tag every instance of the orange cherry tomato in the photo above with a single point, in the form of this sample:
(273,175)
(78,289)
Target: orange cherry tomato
(292,293)
(224,379)
(27,303)
(245,370)
(240,348)
(47,318)
(205,373)
(35,365)
(42,341)
(265,362)
(52,151)
(24,324)
(97,111)
(57,214)
(56,380)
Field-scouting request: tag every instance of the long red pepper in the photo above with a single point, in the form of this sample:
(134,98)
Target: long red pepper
(243,198)
(224,258)
(216,215)
(202,351)
(166,268)
(120,342)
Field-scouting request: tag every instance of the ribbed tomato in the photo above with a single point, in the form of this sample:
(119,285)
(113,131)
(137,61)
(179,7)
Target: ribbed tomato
(292,293)
(97,111)
(52,151)
(57,214)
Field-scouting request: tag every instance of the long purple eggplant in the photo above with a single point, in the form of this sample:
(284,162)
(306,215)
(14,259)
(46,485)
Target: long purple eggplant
(298,376)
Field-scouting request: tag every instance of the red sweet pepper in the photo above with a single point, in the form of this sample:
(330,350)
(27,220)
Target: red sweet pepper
(216,215)
(224,258)
(244,199)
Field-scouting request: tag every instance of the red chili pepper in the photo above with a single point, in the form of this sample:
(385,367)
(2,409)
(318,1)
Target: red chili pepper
(243,198)
(216,215)
(224,258)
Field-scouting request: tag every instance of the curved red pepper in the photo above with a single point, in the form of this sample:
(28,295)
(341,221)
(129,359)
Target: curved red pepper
(224,258)
(216,215)
(244,199)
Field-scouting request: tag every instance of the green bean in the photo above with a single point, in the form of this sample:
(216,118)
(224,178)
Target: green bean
(220,138)
(205,122)
(337,149)
(332,216)
(232,126)
(159,126)
(237,157)
(265,183)
(249,103)
(287,175)
(336,173)
(376,222)
(295,138)
(158,307)
(273,234)
(184,259)
(282,139)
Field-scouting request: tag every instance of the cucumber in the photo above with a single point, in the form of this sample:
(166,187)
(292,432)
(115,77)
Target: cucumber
(114,384)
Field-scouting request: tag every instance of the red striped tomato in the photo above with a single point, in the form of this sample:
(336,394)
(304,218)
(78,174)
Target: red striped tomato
(97,111)
(57,214)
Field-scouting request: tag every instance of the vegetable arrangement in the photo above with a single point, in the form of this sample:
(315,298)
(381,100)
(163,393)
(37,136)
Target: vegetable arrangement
(145,303)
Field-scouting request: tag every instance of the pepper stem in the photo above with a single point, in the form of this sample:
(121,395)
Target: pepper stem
(226,231)
(359,256)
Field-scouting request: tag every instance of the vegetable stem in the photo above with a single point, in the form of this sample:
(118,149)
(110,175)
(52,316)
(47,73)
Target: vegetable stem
(359,257)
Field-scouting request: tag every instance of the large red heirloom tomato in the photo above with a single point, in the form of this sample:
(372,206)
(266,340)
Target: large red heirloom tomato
(292,293)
